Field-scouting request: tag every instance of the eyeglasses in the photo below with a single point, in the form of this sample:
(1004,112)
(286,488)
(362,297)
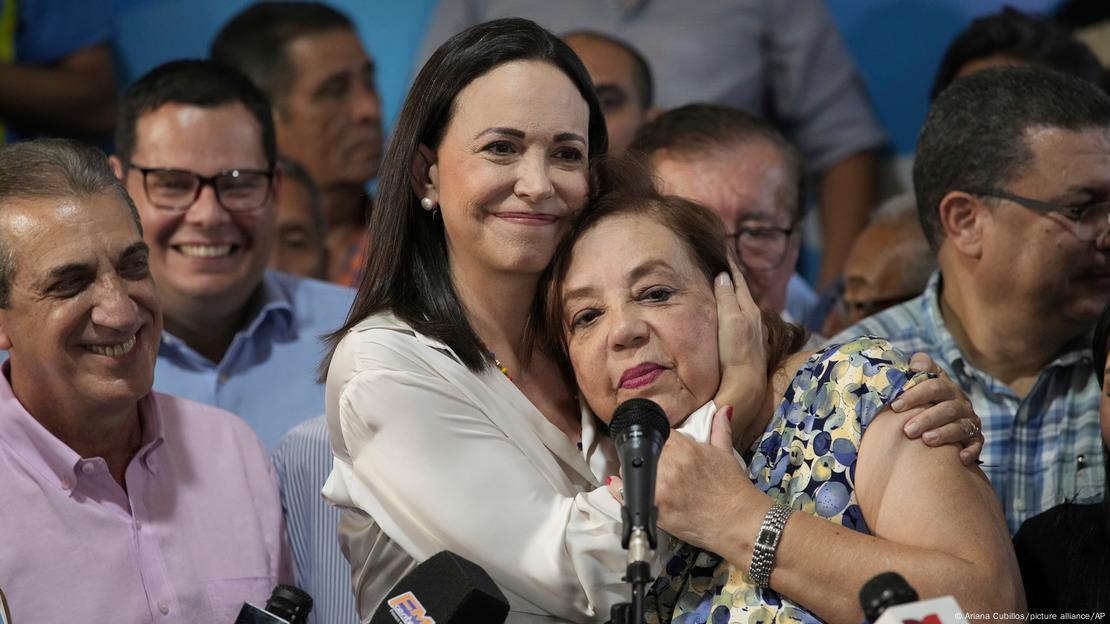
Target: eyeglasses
(237,190)
(761,248)
(1091,220)
(856,311)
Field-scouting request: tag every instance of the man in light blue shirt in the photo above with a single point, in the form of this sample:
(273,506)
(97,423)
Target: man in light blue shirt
(1012,178)
(197,154)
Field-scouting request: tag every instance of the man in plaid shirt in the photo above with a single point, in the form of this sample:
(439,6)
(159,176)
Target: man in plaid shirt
(1012,179)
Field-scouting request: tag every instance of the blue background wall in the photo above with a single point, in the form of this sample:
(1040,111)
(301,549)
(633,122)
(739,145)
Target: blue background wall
(897,43)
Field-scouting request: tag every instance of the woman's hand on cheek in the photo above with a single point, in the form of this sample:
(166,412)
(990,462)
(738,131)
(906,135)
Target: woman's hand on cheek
(698,485)
(740,344)
(939,412)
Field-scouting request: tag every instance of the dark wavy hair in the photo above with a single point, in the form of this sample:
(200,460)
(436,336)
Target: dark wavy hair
(628,189)
(407,270)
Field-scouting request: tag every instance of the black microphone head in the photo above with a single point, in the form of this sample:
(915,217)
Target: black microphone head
(884,591)
(290,603)
(643,412)
(446,588)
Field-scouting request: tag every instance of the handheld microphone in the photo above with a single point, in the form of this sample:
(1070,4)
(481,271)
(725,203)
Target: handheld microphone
(287,605)
(889,599)
(445,589)
(639,428)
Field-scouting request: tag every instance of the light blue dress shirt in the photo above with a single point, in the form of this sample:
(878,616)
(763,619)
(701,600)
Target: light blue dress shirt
(268,374)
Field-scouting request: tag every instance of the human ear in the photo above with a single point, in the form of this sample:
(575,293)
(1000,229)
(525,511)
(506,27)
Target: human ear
(962,219)
(5,340)
(117,166)
(424,174)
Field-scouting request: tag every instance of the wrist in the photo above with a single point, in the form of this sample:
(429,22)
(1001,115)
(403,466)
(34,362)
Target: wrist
(736,541)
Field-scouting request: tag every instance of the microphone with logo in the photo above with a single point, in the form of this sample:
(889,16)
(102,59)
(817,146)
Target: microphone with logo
(444,589)
(287,605)
(889,599)
(639,429)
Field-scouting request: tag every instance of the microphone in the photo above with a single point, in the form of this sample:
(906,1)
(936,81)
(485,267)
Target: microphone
(287,605)
(639,428)
(889,599)
(445,589)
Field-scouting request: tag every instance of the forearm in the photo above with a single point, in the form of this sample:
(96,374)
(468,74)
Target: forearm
(73,97)
(847,195)
(822,565)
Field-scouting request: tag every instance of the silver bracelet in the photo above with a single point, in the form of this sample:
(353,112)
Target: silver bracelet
(767,543)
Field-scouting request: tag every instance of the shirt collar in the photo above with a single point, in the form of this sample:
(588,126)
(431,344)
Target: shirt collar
(269,301)
(50,456)
(937,334)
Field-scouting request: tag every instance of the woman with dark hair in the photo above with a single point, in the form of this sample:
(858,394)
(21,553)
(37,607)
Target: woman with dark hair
(450,432)
(833,490)
(1064,552)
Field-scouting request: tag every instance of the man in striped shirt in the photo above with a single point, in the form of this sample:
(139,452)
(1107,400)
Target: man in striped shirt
(1012,178)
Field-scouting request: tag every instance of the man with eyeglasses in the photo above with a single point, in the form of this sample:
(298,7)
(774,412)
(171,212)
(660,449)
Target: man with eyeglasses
(742,169)
(197,154)
(1012,178)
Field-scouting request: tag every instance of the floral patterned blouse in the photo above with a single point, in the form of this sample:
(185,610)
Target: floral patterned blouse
(806,459)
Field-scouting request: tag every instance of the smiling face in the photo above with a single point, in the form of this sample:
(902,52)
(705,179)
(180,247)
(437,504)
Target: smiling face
(640,319)
(204,256)
(511,170)
(330,118)
(83,324)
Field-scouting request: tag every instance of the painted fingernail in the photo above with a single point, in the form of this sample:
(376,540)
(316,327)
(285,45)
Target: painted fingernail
(930,436)
(912,429)
(728,409)
(609,480)
(897,405)
(723,279)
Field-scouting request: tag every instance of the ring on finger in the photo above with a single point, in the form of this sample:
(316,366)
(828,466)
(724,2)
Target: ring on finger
(971,427)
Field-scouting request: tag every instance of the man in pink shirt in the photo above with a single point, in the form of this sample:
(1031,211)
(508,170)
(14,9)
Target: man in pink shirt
(117,504)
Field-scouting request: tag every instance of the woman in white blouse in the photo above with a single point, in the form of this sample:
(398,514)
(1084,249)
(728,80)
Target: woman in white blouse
(451,432)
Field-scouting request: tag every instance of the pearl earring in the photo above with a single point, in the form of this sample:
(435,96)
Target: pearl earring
(427,204)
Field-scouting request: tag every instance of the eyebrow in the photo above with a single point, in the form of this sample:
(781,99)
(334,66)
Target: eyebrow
(635,274)
(519,134)
(75,268)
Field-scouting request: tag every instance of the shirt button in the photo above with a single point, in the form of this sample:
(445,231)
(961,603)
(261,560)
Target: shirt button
(163,607)
(88,468)
(138,525)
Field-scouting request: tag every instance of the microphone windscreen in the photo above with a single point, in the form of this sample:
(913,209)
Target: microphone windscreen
(883,591)
(643,412)
(445,588)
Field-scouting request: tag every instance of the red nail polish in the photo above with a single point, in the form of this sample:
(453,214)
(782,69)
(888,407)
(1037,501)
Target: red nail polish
(728,413)
(608,480)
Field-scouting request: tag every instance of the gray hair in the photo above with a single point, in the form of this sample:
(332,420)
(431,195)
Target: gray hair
(918,260)
(49,169)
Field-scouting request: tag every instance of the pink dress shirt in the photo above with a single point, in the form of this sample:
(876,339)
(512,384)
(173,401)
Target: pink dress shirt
(198,531)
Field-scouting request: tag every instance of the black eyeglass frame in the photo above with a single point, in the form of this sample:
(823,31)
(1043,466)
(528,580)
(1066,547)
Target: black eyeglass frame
(734,242)
(1074,213)
(203,181)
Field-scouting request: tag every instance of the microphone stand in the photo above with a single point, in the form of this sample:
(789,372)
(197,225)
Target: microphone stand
(639,543)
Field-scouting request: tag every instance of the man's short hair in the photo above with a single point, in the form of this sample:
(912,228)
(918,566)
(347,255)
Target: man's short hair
(255,41)
(1025,38)
(202,83)
(642,77)
(701,129)
(975,136)
(52,169)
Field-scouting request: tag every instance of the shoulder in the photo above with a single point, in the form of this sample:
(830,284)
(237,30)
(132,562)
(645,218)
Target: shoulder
(311,298)
(902,325)
(305,448)
(195,422)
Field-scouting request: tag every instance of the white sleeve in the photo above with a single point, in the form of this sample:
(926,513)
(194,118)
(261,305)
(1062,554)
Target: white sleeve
(436,474)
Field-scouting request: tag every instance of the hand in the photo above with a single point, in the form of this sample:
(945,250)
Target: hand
(741,345)
(940,413)
(699,484)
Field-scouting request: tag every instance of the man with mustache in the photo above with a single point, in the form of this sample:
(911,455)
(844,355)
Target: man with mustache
(1012,178)
(308,60)
(121,504)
